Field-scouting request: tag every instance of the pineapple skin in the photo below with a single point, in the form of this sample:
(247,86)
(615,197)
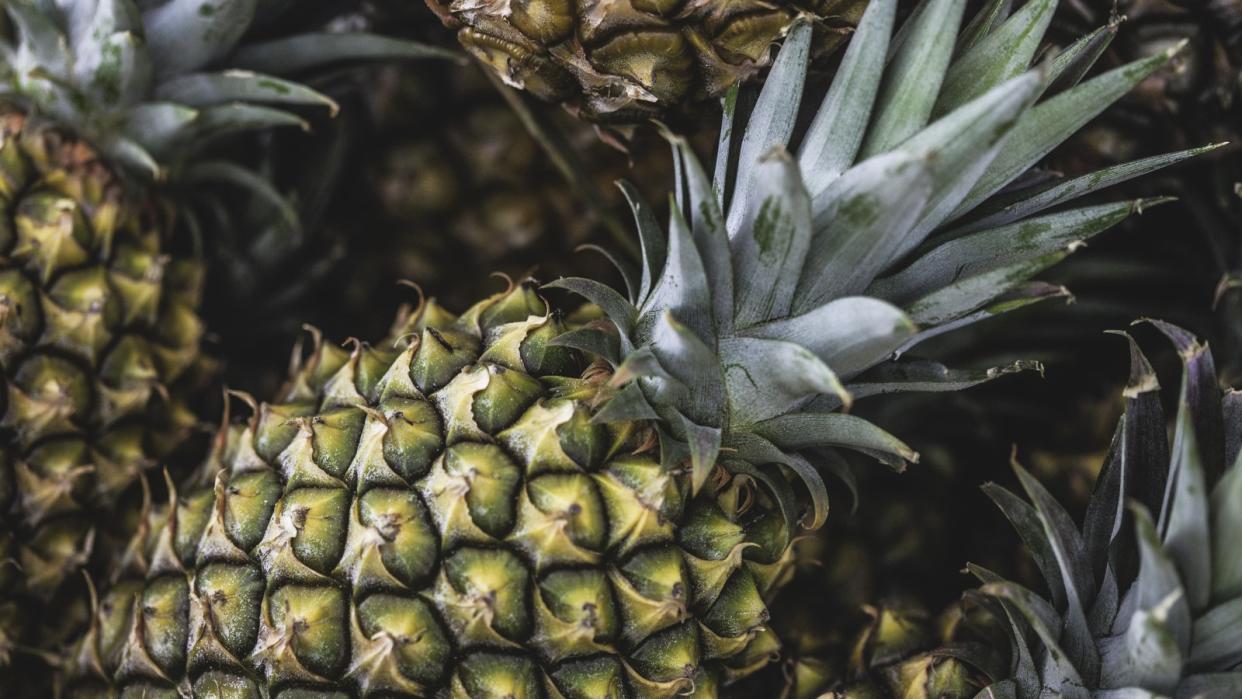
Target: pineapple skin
(99,346)
(630,60)
(442,519)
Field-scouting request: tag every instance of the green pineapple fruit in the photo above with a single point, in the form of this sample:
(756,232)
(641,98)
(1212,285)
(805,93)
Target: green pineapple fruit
(515,503)
(832,650)
(632,59)
(1141,605)
(467,191)
(106,109)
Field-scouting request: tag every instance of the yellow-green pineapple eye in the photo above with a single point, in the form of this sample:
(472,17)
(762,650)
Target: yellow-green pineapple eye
(47,396)
(485,595)
(51,234)
(229,598)
(407,630)
(600,676)
(396,523)
(506,397)
(670,655)
(21,311)
(413,438)
(496,676)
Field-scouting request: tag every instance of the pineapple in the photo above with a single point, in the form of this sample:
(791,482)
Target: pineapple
(895,649)
(106,108)
(516,502)
(1138,607)
(467,191)
(629,60)
(431,177)
(1141,604)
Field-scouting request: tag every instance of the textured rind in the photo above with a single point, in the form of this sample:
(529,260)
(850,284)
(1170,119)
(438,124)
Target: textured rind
(98,339)
(435,518)
(629,59)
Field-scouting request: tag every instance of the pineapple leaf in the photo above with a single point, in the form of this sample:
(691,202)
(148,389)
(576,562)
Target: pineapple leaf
(807,430)
(1005,689)
(990,249)
(1025,521)
(1027,203)
(594,342)
(707,224)
(961,145)
(835,464)
(206,89)
(182,37)
(909,377)
(1231,410)
(770,125)
(1106,509)
(628,271)
(1221,684)
(131,155)
(225,172)
(758,450)
(227,119)
(923,49)
(1048,124)
(780,488)
(618,310)
(768,251)
(1145,449)
(1025,677)
(625,405)
(814,485)
(694,366)
(1146,655)
(724,144)
(1185,522)
(1070,552)
(1068,68)
(848,334)
(41,44)
(766,378)
(1003,54)
(1218,637)
(1200,392)
(858,223)
(960,298)
(988,17)
(160,125)
(1060,677)
(682,287)
(1157,581)
(650,238)
(1018,297)
(114,72)
(704,443)
(1226,507)
(836,134)
(306,52)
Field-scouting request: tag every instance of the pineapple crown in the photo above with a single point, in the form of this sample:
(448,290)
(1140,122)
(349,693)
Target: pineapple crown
(789,282)
(1172,626)
(152,82)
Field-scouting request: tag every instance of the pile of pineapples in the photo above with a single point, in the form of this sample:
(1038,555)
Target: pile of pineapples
(742,445)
